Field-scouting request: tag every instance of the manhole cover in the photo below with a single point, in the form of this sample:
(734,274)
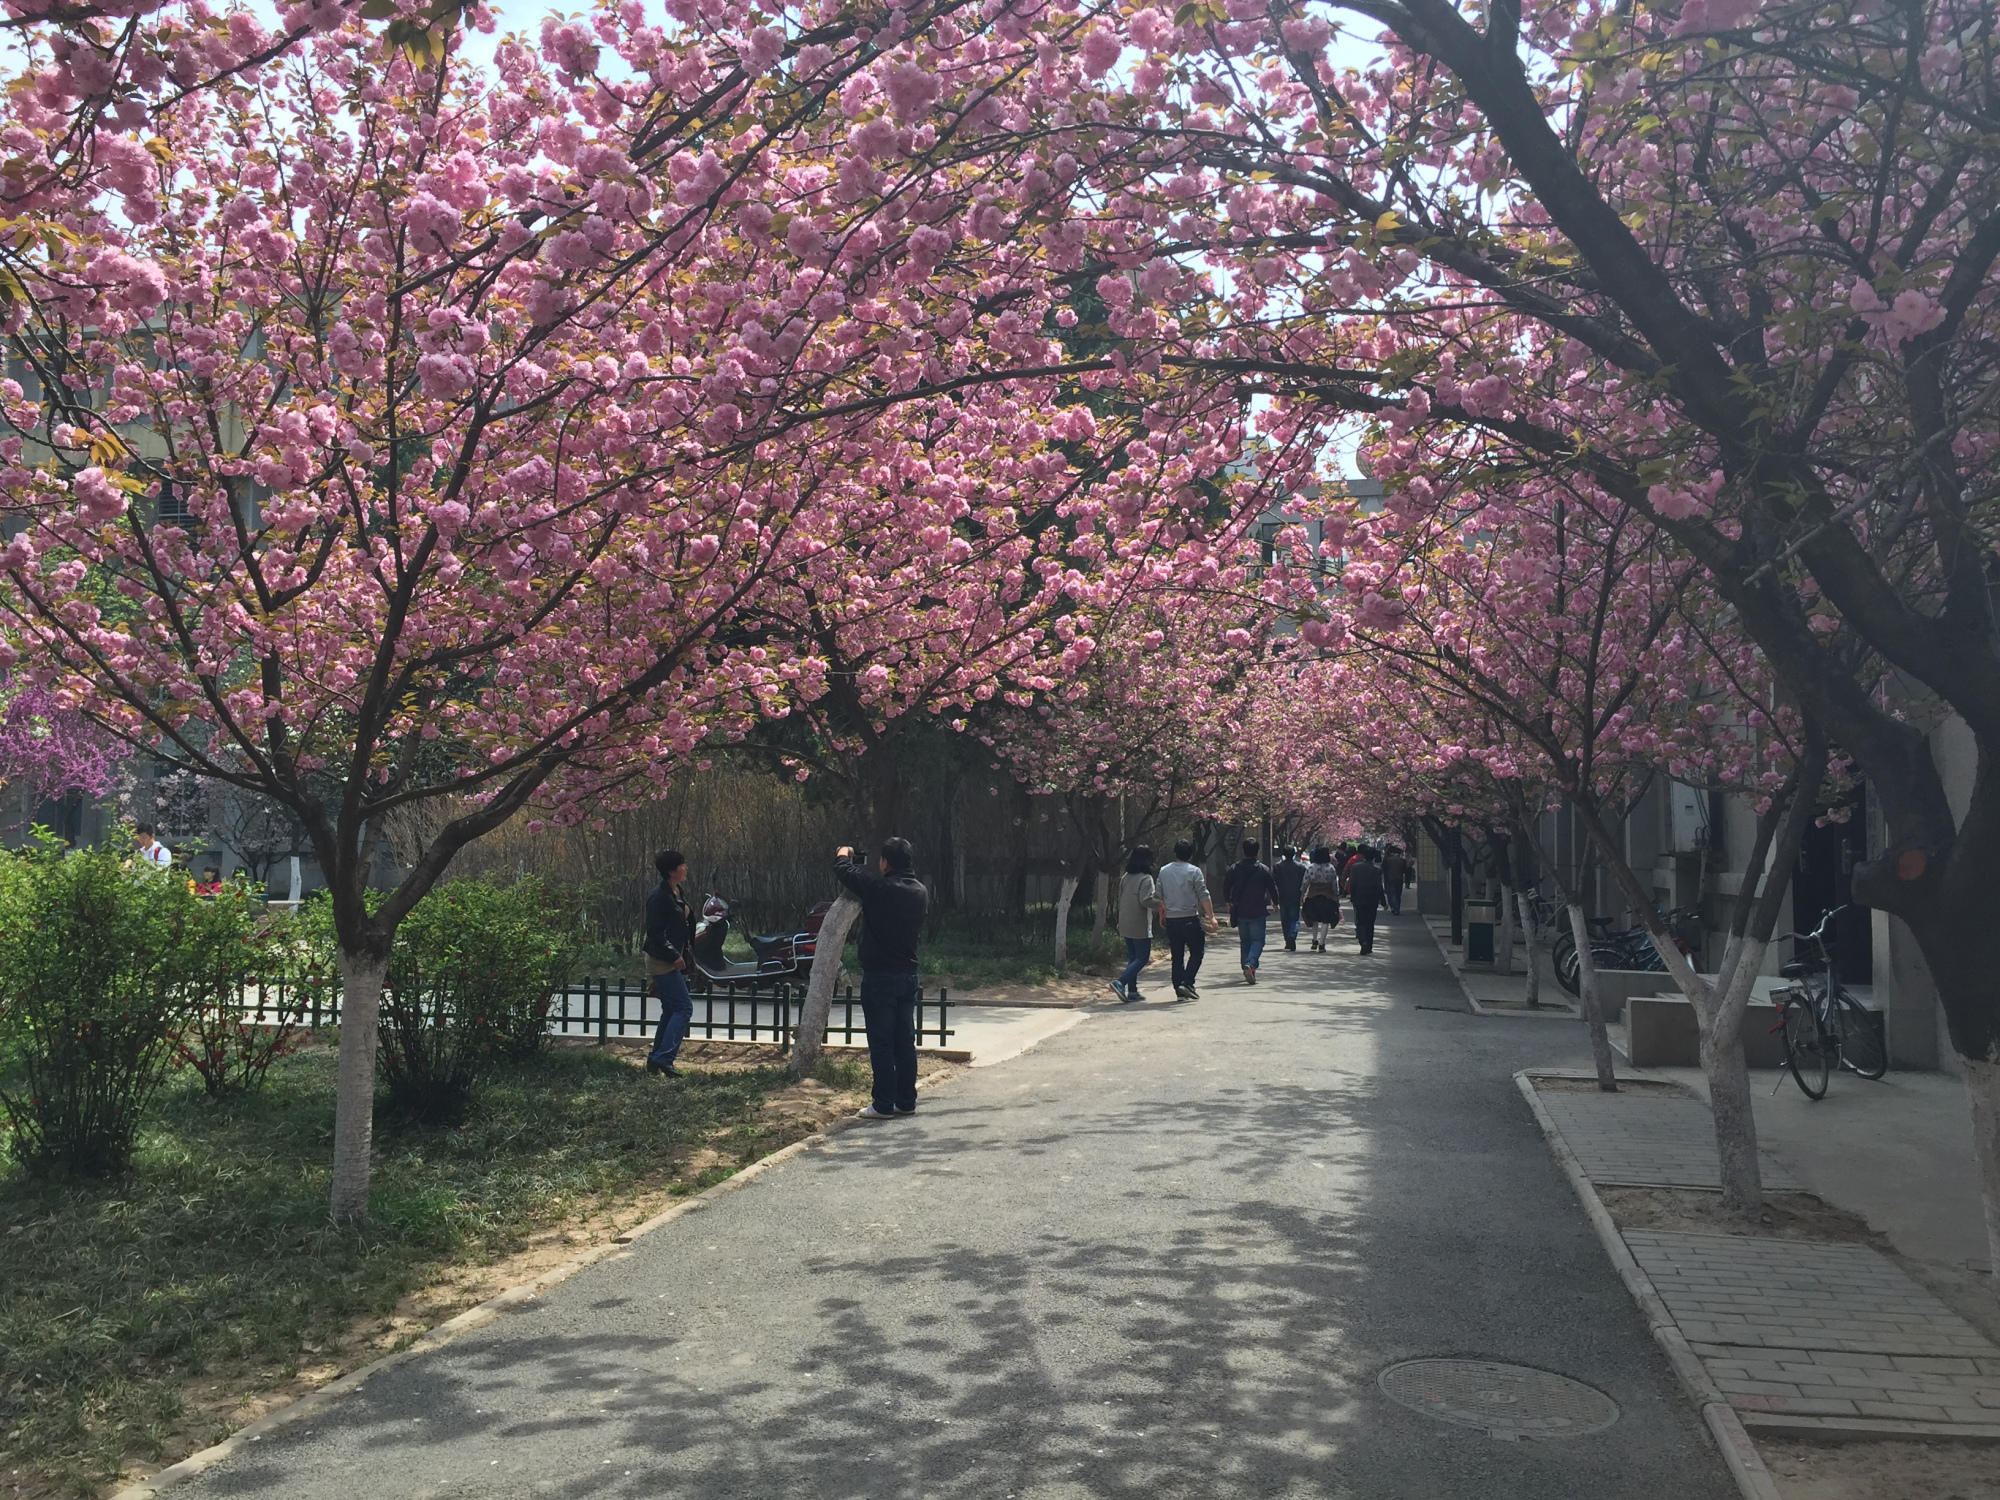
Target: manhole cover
(1507,1401)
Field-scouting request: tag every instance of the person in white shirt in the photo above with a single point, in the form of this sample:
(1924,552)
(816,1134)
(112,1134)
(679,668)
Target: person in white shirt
(154,853)
(1187,915)
(1138,899)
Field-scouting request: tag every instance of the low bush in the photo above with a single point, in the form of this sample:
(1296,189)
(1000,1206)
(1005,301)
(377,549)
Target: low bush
(93,988)
(469,982)
(237,955)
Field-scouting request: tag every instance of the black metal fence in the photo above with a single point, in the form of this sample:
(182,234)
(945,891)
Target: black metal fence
(733,1010)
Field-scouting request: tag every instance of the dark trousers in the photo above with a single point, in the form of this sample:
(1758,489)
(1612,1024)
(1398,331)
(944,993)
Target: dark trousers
(1364,925)
(889,1009)
(1188,942)
(676,1011)
(1395,895)
(1288,918)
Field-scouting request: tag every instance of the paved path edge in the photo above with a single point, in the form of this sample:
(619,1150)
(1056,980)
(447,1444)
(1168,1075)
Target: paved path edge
(478,1316)
(1746,1466)
(1561,1011)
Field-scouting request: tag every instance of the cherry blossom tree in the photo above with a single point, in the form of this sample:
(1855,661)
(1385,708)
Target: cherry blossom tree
(423,433)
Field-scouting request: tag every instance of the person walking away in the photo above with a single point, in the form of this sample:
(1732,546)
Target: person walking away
(894,904)
(1187,916)
(1138,899)
(1321,904)
(156,855)
(1291,878)
(1364,889)
(1251,890)
(669,940)
(1395,875)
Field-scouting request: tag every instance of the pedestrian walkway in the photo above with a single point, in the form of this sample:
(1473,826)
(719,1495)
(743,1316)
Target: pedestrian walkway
(1494,992)
(1168,1254)
(1642,1141)
(1798,1336)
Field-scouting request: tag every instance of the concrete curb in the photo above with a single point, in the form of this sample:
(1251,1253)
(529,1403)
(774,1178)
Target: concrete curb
(1562,1012)
(512,1299)
(1753,1480)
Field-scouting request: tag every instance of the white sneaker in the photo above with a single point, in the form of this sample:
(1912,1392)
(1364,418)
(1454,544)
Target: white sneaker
(872,1113)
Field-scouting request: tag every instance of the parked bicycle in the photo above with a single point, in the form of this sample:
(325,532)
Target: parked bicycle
(1630,949)
(1823,1026)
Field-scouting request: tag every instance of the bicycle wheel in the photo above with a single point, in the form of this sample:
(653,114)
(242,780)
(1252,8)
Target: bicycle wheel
(1568,970)
(1861,1047)
(1808,1051)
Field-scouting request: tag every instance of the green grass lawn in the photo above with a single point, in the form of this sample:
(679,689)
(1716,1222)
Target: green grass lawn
(215,1251)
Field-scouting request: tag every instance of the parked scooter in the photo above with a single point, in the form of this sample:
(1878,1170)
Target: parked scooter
(777,954)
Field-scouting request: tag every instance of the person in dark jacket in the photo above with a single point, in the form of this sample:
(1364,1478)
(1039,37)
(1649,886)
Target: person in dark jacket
(669,937)
(1395,875)
(1291,877)
(894,904)
(1364,891)
(1251,892)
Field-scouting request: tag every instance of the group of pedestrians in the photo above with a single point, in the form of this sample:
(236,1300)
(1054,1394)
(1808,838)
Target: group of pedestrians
(1305,893)
(894,905)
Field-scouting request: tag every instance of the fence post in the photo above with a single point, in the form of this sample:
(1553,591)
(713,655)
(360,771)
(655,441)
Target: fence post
(603,1009)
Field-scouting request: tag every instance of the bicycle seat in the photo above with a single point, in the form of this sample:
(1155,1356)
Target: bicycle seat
(1798,968)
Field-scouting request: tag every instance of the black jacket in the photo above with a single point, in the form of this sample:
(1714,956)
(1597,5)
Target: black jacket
(669,924)
(893,908)
(1364,884)
(1249,889)
(1291,877)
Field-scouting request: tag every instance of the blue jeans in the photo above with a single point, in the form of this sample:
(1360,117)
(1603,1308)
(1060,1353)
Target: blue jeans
(1394,893)
(1187,941)
(1250,934)
(1138,953)
(1288,918)
(889,1009)
(676,1011)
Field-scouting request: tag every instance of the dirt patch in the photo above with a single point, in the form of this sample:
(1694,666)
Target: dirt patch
(1645,1088)
(1882,1470)
(1785,1216)
(1070,990)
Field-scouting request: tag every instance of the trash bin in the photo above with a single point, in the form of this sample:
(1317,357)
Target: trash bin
(1481,917)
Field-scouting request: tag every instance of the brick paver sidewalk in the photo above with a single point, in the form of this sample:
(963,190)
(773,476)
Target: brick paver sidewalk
(1646,1141)
(1798,1335)
(1792,1329)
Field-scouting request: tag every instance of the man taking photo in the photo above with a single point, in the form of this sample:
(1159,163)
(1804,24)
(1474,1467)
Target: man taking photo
(894,904)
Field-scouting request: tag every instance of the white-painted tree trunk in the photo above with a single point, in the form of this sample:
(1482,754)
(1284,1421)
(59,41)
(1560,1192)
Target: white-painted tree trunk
(1593,1010)
(361,978)
(1063,900)
(810,1035)
(1504,954)
(1102,893)
(1528,941)
(1982,1090)
(1719,1009)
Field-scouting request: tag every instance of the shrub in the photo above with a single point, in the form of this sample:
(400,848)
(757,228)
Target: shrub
(92,982)
(237,954)
(469,982)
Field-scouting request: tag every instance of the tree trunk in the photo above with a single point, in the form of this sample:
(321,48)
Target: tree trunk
(1101,893)
(1457,890)
(1062,922)
(1593,1011)
(1729,1078)
(810,1036)
(1982,1091)
(1505,953)
(361,976)
(1528,941)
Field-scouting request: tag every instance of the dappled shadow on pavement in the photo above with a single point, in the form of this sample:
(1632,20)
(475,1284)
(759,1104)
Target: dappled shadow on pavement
(1166,1255)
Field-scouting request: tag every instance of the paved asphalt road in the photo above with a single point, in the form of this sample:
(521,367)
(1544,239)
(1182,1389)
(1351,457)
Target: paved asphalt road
(1164,1255)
